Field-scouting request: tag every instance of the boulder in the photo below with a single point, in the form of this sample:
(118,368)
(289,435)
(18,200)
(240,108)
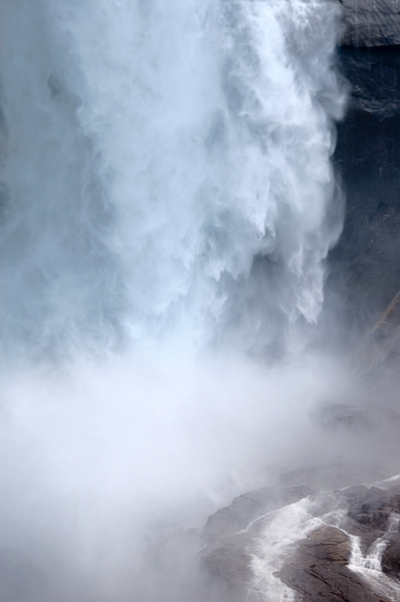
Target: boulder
(316,567)
(230,537)
(370,508)
(391,556)
(318,570)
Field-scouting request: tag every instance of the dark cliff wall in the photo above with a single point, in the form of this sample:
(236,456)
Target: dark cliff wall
(364,268)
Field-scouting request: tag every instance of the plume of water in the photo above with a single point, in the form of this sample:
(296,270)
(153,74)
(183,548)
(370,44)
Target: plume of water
(166,192)
(166,173)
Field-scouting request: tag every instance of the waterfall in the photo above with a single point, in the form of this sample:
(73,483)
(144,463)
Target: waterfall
(167,203)
(166,173)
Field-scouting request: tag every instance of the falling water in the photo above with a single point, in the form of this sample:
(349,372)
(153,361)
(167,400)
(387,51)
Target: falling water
(368,566)
(165,172)
(282,530)
(166,195)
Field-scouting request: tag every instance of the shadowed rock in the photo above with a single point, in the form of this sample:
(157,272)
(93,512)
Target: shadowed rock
(371,22)
(230,537)
(248,507)
(371,507)
(318,571)
(391,556)
(365,265)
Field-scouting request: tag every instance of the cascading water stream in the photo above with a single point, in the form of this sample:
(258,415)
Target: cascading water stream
(166,195)
(166,172)
(373,559)
(368,566)
(282,530)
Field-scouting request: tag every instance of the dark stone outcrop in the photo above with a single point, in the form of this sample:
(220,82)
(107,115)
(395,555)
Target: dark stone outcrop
(391,556)
(371,22)
(248,507)
(230,535)
(318,567)
(370,507)
(380,349)
(365,266)
(318,570)
(369,511)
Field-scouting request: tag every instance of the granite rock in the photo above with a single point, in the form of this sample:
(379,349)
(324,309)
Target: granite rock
(371,22)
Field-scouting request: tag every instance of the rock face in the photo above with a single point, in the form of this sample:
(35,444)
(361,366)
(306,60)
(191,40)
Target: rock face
(380,350)
(391,556)
(248,507)
(371,22)
(369,507)
(316,568)
(365,266)
(230,537)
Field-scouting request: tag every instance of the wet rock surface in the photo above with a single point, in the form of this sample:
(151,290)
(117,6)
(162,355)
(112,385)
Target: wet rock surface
(329,577)
(316,567)
(248,507)
(365,265)
(369,507)
(230,537)
(371,22)
(379,352)
(391,556)
(318,570)
(364,268)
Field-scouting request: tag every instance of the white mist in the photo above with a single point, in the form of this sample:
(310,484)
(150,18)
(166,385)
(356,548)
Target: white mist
(168,202)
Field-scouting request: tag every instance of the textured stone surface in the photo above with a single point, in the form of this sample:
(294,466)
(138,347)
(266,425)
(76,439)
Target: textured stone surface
(370,508)
(371,22)
(230,537)
(318,571)
(317,566)
(364,268)
(248,507)
(380,349)
(391,557)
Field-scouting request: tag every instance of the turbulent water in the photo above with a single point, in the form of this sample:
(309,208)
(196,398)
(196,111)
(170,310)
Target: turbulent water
(166,195)
(166,175)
